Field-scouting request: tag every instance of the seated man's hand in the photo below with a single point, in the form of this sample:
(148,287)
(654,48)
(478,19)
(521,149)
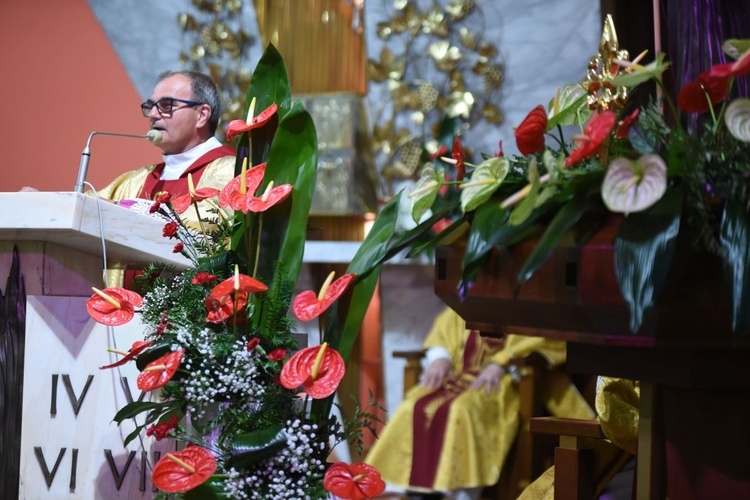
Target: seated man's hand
(436,373)
(489,378)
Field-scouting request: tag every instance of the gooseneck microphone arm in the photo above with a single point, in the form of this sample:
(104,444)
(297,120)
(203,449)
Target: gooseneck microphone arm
(153,136)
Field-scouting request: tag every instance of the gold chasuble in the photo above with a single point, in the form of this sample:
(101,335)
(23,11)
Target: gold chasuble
(214,169)
(454,438)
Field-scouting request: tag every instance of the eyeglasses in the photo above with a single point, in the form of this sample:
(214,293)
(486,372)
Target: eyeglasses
(165,105)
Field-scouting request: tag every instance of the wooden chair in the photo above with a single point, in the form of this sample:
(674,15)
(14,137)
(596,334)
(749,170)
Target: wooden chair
(531,454)
(574,461)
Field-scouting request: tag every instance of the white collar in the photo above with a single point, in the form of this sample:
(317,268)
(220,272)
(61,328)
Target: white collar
(175,165)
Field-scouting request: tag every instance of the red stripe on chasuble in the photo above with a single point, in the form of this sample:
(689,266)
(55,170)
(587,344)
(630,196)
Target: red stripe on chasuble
(154,184)
(429,432)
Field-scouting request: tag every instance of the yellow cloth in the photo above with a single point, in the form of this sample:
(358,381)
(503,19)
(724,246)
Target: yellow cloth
(128,186)
(617,402)
(480,427)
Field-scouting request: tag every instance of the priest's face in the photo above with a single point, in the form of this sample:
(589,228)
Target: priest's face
(181,120)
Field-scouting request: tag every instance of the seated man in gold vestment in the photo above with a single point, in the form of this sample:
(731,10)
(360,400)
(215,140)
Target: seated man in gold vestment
(452,433)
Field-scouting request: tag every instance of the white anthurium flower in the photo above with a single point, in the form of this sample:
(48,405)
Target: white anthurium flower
(425,191)
(568,107)
(632,186)
(737,119)
(485,180)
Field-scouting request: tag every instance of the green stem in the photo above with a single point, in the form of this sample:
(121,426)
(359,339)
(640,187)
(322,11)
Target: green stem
(203,229)
(257,247)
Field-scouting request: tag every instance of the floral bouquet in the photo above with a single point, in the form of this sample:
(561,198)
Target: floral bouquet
(640,166)
(227,375)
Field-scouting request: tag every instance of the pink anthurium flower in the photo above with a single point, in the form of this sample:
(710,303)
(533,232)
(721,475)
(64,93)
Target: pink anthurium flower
(138,347)
(317,369)
(182,202)
(595,133)
(358,481)
(247,182)
(238,127)
(160,371)
(230,296)
(271,196)
(113,306)
(307,305)
(181,471)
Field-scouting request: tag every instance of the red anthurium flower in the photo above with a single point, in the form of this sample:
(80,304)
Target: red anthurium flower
(317,369)
(530,133)
(160,371)
(113,306)
(182,202)
(159,431)
(238,127)
(442,225)
(695,96)
(277,354)
(137,348)
(230,296)
(500,152)
(203,278)
(181,471)
(623,129)
(740,67)
(357,481)
(252,179)
(595,133)
(270,197)
(307,305)
(457,153)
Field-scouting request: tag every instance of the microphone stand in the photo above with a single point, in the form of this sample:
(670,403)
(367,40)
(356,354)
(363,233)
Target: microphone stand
(153,136)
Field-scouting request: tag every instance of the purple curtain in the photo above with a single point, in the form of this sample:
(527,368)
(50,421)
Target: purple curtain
(695,30)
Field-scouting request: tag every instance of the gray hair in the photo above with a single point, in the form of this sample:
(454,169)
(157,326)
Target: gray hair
(204,90)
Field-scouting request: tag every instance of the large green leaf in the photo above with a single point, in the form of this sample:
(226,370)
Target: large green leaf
(212,489)
(252,447)
(293,159)
(735,242)
(644,248)
(565,219)
(135,408)
(269,84)
(489,229)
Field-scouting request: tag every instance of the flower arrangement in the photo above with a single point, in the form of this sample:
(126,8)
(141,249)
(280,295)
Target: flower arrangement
(218,354)
(641,166)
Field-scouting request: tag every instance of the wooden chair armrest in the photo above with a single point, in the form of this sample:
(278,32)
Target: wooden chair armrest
(567,427)
(533,360)
(409,355)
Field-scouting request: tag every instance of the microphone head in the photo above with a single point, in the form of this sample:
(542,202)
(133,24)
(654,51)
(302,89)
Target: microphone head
(154,136)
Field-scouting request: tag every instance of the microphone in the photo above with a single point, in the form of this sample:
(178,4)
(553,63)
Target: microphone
(153,136)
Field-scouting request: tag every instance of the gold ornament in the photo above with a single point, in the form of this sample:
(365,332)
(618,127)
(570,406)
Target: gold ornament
(602,68)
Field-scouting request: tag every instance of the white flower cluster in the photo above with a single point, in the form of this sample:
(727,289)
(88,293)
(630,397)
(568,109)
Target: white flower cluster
(212,379)
(289,474)
(157,299)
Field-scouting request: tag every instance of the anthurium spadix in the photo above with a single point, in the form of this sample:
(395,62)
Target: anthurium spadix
(485,180)
(632,186)
(425,191)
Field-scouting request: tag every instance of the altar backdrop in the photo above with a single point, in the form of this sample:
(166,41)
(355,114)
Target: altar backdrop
(74,66)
